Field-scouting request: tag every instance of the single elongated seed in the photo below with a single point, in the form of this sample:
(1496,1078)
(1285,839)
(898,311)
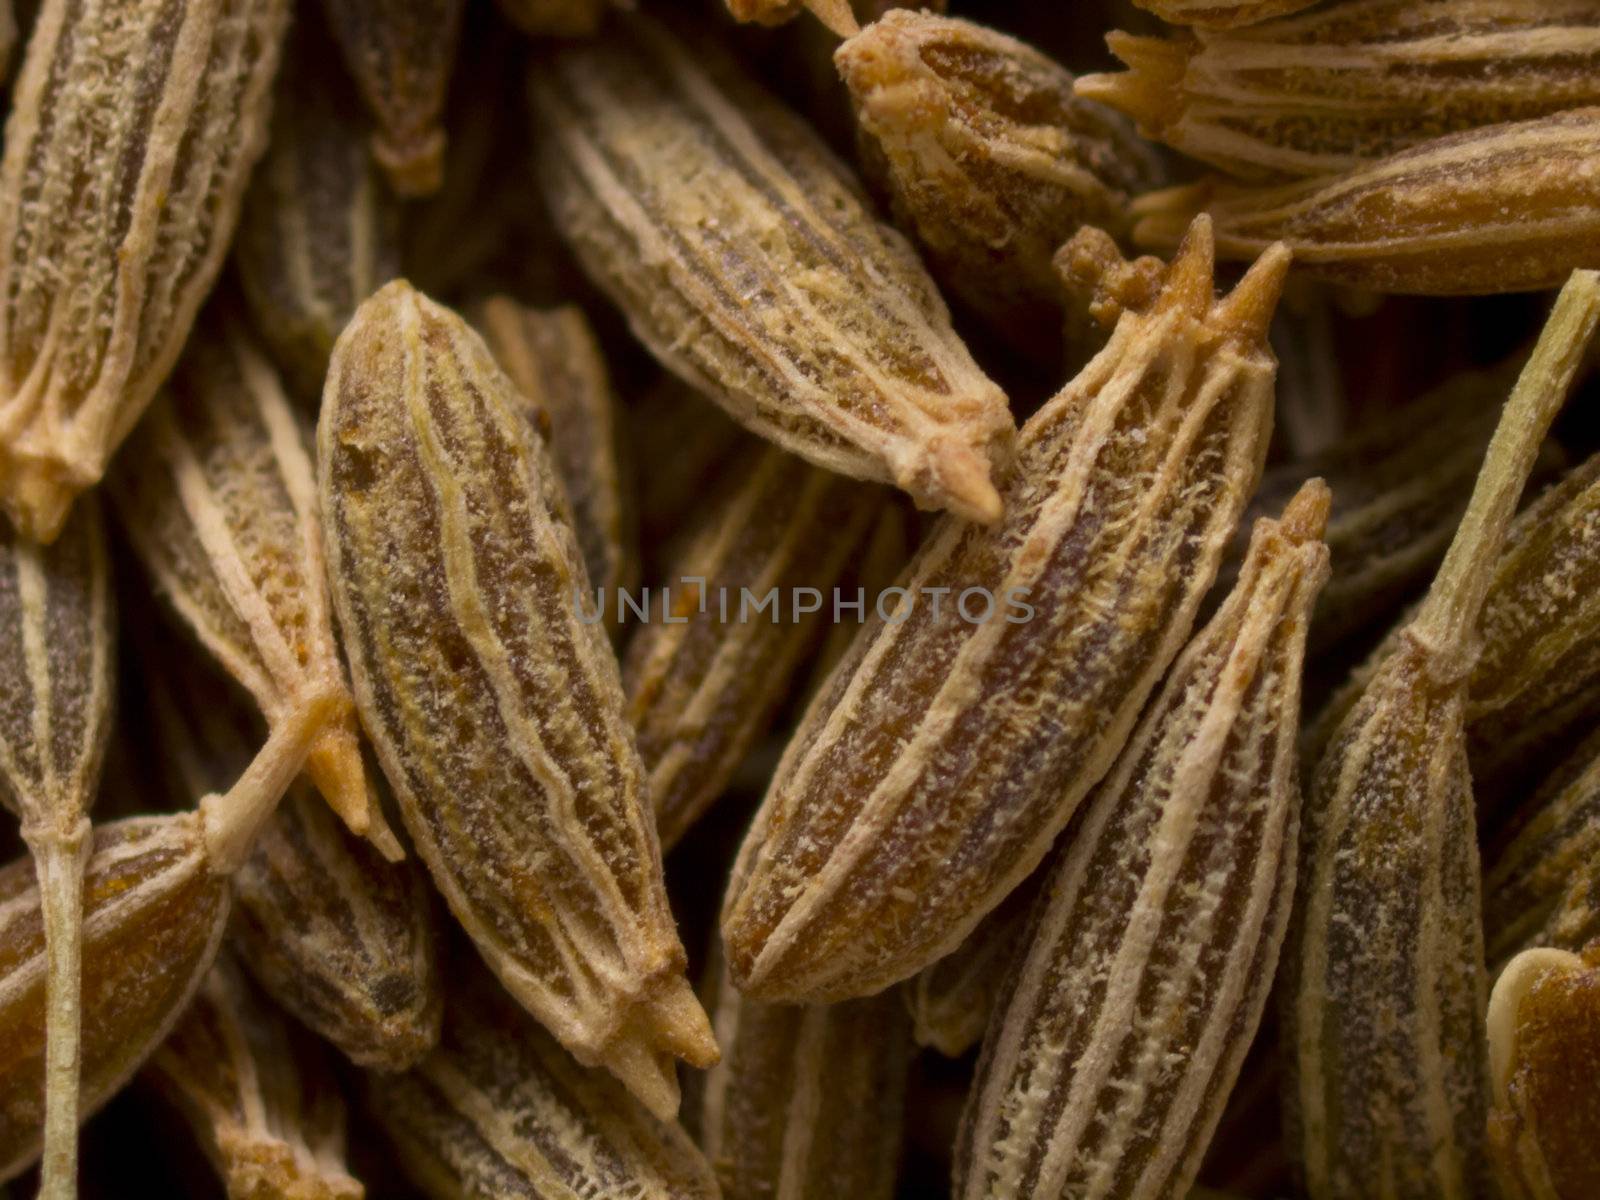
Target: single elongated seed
(747,260)
(837,15)
(704,685)
(807,1103)
(555,18)
(950,747)
(1319,93)
(56,641)
(256,1094)
(1221,14)
(320,230)
(1542,882)
(553,358)
(133,128)
(500,1109)
(1544,1055)
(1385,975)
(988,158)
(219,497)
(455,572)
(401,54)
(1505,208)
(155,901)
(1148,963)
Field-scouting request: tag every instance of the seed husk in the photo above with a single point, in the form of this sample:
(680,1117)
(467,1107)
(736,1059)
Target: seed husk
(501,1110)
(746,258)
(456,575)
(1150,956)
(57,640)
(218,497)
(1322,92)
(256,1094)
(401,54)
(933,772)
(134,125)
(1386,985)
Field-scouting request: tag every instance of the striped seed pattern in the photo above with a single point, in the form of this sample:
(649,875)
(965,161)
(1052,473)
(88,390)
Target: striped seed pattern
(1147,967)
(747,260)
(133,128)
(455,572)
(933,772)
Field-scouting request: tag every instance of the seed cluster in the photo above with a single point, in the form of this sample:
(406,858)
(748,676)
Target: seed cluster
(800,599)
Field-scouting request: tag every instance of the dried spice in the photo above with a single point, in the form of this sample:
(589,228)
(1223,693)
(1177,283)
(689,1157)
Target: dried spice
(218,496)
(456,576)
(988,158)
(553,359)
(747,260)
(835,14)
(500,1109)
(1149,960)
(1221,14)
(56,641)
(401,53)
(807,1103)
(155,902)
(1385,972)
(1319,93)
(705,679)
(133,128)
(1505,208)
(1544,1053)
(320,230)
(948,750)
(256,1094)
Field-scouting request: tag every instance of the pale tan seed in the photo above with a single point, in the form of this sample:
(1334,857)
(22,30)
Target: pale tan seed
(57,644)
(134,125)
(1148,963)
(1544,1053)
(1504,208)
(807,1103)
(1221,14)
(218,496)
(496,711)
(401,54)
(933,772)
(256,1094)
(837,15)
(553,359)
(747,259)
(1321,92)
(989,160)
(320,231)
(705,684)
(501,1110)
(155,902)
(1385,981)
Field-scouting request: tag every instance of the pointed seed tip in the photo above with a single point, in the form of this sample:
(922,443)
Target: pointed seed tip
(1305,517)
(1246,313)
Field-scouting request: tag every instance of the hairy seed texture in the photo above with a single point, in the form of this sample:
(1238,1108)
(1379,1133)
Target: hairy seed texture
(931,774)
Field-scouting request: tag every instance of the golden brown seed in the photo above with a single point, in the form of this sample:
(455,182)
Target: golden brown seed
(1544,1053)
(155,901)
(557,366)
(320,230)
(1385,975)
(988,158)
(401,54)
(497,712)
(746,258)
(1505,208)
(951,746)
(835,14)
(1221,14)
(56,685)
(1149,960)
(501,1110)
(703,685)
(555,18)
(256,1094)
(133,128)
(218,496)
(807,1103)
(1319,93)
